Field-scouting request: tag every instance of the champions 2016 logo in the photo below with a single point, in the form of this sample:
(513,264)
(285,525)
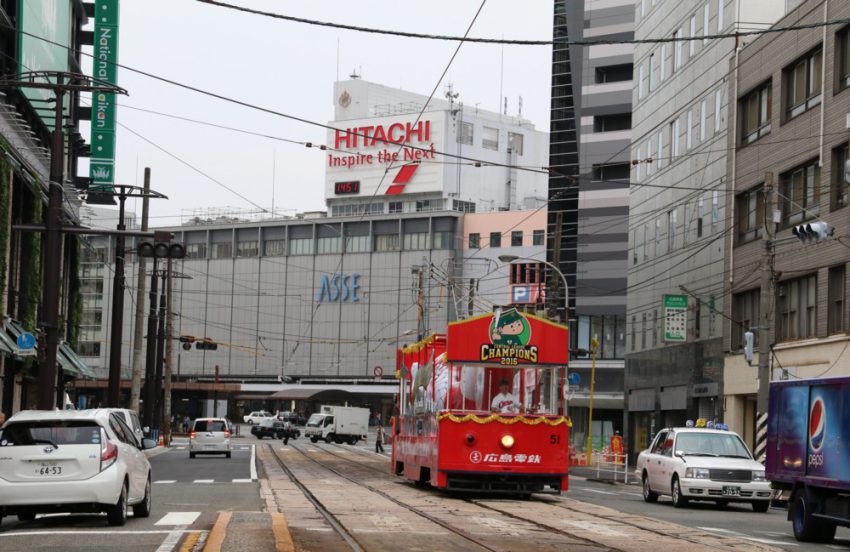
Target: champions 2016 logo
(817,431)
(510,333)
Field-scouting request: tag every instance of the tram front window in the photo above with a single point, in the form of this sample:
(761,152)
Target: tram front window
(491,389)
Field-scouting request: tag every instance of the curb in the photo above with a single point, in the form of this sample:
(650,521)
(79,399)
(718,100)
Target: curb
(218,532)
(282,539)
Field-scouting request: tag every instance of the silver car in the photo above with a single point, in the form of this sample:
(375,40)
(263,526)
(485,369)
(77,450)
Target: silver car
(210,436)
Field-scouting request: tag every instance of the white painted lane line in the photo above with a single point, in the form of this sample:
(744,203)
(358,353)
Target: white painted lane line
(180,448)
(178,518)
(145,532)
(164,481)
(243,481)
(244,448)
(598,491)
(172,539)
(285,449)
(253,463)
(204,481)
(748,537)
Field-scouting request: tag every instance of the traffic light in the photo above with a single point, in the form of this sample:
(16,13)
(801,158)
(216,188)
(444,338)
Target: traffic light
(161,247)
(206,344)
(748,346)
(812,232)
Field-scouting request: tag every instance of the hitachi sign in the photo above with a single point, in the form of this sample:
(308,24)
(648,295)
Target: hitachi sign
(396,133)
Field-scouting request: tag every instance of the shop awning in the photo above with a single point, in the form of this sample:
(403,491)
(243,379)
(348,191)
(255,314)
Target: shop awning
(9,337)
(304,392)
(71,362)
(7,344)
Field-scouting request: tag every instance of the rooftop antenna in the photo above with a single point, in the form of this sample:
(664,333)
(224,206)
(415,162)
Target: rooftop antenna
(501,74)
(506,105)
(519,112)
(274,163)
(451,95)
(354,75)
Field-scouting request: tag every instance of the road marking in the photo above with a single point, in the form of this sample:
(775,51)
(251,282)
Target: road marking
(243,481)
(285,449)
(747,537)
(178,518)
(171,540)
(164,481)
(599,492)
(631,494)
(253,463)
(204,481)
(106,532)
(180,448)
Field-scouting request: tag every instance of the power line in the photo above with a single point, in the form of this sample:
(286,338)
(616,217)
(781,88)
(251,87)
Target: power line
(503,41)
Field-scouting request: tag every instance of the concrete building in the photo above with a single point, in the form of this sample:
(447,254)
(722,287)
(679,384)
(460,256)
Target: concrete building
(791,121)
(678,222)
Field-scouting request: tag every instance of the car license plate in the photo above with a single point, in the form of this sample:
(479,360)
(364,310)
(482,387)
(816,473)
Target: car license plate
(46,468)
(211,446)
(731,491)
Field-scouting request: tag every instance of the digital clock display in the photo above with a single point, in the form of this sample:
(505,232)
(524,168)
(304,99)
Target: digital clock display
(344,188)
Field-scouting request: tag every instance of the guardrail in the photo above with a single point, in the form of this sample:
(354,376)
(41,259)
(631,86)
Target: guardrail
(615,466)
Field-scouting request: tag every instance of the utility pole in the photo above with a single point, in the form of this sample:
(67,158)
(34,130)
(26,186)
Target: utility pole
(419,305)
(766,298)
(138,328)
(169,350)
(160,353)
(150,356)
(113,394)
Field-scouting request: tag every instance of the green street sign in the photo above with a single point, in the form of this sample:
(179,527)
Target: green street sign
(675,318)
(102,168)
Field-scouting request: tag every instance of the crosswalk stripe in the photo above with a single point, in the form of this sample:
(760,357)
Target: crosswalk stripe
(178,518)
(204,481)
(243,481)
(164,481)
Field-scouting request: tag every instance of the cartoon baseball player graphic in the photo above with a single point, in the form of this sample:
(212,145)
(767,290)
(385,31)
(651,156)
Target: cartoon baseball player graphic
(510,328)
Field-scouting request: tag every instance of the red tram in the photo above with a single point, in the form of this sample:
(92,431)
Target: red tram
(482,408)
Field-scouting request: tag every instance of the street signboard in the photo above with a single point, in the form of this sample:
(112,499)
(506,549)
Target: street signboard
(675,318)
(102,168)
(574,378)
(26,341)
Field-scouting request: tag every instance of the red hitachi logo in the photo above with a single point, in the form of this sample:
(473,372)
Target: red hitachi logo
(396,133)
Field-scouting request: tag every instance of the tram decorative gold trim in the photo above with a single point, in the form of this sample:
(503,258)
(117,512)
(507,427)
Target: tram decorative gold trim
(560,420)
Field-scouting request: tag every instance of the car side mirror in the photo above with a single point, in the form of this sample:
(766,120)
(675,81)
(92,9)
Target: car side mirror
(679,453)
(146,429)
(148,444)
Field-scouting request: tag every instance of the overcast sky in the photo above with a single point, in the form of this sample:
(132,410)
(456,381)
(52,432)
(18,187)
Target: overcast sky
(291,67)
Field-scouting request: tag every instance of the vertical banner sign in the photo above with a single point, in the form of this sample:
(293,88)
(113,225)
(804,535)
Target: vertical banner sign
(675,318)
(102,168)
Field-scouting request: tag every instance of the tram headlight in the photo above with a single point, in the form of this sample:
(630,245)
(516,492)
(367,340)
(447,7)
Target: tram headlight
(507,441)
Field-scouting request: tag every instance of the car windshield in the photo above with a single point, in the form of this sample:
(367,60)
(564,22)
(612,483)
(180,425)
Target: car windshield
(711,444)
(209,425)
(315,420)
(76,432)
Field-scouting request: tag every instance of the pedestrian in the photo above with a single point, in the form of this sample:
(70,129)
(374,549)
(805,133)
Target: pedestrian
(287,431)
(379,439)
(2,418)
(185,424)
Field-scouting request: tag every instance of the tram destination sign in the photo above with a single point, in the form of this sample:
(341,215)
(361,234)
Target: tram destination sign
(509,338)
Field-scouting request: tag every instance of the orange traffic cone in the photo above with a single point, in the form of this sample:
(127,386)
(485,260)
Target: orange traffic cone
(161,440)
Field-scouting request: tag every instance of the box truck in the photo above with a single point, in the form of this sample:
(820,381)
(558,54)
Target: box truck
(808,445)
(338,424)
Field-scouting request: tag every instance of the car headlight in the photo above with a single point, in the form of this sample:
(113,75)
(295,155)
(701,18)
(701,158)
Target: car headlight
(697,473)
(759,476)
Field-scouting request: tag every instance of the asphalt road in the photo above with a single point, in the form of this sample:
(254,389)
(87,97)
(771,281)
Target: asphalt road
(187,496)
(738,520)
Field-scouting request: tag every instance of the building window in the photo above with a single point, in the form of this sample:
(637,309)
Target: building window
(634,326)
(842,60)
(356,244)
(222,250)
(634,247)
(652,71)
(674,139)
(649,158)
(329,244)
(526,273)
(835,297)
(678,45)
(749,210)
(803,84)
(663,62)
(745,315)
(196,251)
(94,255)
(612,123)
(755,114)
(474,240)
(516,238)
(463,206)
(671,229)
(613,171)
(706,14)
(301,246)
(515,142)
(800,193)
(465,134)
(840,195)
(718,109)
(643,331)
(655,328)
(386,242)
(641,89)
(274,248)
(248,248)
(428,205)
(692,43)
(442,240)
(495,239)
(660,157)
(797,306)
(374,209)
(720,22)
(416,240)
(614,73)
(89,349)
(490,139)
(689,142)
(703,115)
(538,237)
(395,206)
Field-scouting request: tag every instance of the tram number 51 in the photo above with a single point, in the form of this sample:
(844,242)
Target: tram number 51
(554,439)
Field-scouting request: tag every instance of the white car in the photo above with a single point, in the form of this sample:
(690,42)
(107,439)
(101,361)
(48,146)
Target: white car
(257,416)
(702,464)
(210,436)
(73,461)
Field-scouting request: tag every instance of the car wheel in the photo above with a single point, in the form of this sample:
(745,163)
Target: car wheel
(191,455)
(227,455)
(26,516)
(648,495)
(143,508)
(330,438)
(250,422)
(314,439)
(679,501)
(761,506)
(116,514)
(806,528)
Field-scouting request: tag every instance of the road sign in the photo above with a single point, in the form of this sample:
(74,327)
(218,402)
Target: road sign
(378,371)
(675,318)
(26,341)
(574,378)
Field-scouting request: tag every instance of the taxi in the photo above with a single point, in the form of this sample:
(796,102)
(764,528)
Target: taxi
(702,463)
